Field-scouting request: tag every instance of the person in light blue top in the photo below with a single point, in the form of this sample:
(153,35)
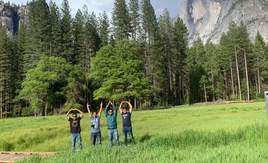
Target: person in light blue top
(95,124)
(111,117)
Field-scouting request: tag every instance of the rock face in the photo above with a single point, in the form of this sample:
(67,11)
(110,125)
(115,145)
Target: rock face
(208,19)
(11,16)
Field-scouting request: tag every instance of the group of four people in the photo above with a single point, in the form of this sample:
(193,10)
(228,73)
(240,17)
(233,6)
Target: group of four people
(125,108)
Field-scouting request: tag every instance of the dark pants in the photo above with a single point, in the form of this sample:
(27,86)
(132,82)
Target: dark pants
(95,136)
(128,131)
(76,137)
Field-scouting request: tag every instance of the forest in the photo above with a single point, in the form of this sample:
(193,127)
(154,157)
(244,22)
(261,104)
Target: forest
(57,61)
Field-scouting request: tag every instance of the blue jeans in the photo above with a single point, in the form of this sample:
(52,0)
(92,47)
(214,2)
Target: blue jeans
(113,133)
(128,131)
(76,137)
(95,136)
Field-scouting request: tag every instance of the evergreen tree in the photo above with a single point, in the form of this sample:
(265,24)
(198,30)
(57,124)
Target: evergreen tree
(5,72)
(134,18)
(79,38)
(38,32)
(165,24)
(121,20)
(259,62)
(66,33)
(153,52)
(55,39)
(195,60)
(104,29)
(179,45)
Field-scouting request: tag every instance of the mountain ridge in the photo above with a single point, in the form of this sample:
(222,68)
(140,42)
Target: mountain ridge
(208,19)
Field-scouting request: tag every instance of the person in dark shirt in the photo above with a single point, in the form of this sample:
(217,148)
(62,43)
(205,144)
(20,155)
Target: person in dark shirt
(75,128)
(126,120)
(95,124)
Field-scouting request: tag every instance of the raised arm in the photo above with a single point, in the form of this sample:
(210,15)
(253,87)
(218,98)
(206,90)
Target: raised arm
(88,108)
(68,114)
(106,109)
(100,110)
(81,113)
(130,107)
(120,107)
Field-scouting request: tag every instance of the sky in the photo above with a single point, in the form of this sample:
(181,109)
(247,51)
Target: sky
(107,5)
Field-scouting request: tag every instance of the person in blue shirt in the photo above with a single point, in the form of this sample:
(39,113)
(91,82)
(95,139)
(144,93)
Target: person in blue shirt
(111,117)
(95,124)
(126,120)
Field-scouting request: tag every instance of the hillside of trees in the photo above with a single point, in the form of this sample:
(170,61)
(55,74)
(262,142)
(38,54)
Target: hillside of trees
(57,62)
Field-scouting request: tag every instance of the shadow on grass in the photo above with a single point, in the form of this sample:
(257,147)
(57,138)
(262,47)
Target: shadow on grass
(145,138)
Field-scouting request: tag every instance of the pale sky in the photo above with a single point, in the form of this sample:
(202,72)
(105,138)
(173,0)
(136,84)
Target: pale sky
(107,5)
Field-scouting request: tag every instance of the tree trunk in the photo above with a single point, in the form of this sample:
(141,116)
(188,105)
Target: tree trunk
(135,103)
(46,105)
(256,84)
(246,69)
(238,76)
(225,94)
(213,87)
(232,80)
(205,92)
(259,81)
(1,105)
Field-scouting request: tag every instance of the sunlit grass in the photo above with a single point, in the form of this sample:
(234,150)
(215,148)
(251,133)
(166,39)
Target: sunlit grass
(198,133)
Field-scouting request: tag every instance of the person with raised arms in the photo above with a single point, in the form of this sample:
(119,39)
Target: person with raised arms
(111,117)
(126,120)
(95,124)
(75,128)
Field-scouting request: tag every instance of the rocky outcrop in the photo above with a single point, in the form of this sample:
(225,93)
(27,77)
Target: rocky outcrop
(11,16)
(208,19)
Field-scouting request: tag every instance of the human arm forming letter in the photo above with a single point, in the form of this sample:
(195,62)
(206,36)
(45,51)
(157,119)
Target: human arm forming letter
(130,107)
(88,109)
(120,107)
(100,110)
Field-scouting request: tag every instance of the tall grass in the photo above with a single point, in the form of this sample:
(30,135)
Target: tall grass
(198,133)
(243,145)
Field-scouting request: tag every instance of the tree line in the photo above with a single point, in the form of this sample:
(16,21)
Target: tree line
(57,62)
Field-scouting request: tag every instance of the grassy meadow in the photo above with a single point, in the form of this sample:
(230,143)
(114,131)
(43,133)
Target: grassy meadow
(202,133)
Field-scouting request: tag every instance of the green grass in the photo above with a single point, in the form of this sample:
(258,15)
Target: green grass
(199,133)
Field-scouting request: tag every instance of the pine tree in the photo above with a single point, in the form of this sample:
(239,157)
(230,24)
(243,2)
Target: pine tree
(104,29)
(55,39)
(195,60)
(179,47)
(259,61)
(153,52)
(134,18)
(79,38)
(38,33)
(165,24)
(66,33)
(121,20)
(5,72)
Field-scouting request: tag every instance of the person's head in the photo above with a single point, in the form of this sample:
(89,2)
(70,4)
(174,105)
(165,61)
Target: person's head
(110,111)
(124,108)
(94,114)
(74,115)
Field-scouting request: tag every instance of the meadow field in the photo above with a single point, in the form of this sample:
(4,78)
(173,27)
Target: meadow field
(215,133)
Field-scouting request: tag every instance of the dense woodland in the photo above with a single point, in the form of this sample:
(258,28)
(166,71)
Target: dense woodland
(56,61)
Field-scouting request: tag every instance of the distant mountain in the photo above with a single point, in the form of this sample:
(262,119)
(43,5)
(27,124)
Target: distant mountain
(11,16)
(208,19)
